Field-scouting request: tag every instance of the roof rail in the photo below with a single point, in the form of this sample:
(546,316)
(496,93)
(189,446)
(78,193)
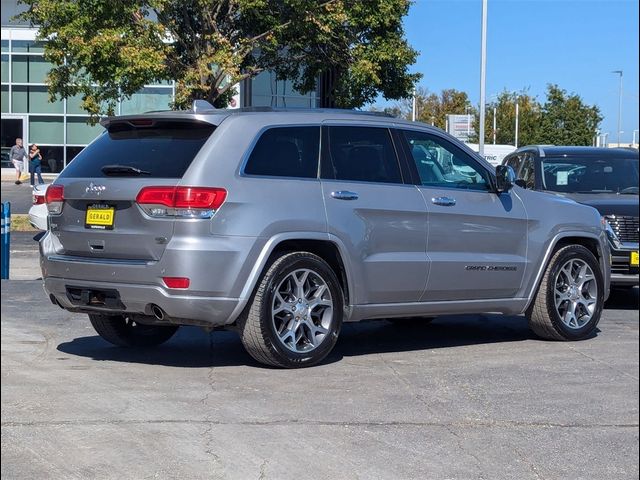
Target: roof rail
(200,106)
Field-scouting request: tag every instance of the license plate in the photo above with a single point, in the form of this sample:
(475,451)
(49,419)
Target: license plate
(99,217)
(633,261)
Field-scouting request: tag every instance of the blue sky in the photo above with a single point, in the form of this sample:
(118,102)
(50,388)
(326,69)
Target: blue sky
(530,43)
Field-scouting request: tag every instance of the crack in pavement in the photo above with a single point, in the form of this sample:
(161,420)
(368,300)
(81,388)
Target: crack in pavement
(208,441)
(319,423)
(597,360)
(449,428)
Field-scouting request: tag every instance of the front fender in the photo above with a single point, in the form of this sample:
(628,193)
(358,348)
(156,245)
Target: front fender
(604,260)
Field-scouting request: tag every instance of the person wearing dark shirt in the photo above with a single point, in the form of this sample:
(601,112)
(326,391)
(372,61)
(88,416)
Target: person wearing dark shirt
(35,164)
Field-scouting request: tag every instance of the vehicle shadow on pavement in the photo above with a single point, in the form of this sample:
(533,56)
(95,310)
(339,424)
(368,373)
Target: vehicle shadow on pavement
(443,332)
(623,299)
(193,348)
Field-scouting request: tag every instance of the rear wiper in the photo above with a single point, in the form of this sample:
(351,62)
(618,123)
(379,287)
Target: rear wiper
(123,170)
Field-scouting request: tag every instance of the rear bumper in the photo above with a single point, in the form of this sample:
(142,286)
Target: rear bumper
(38,216)
(181,309)
(218,269)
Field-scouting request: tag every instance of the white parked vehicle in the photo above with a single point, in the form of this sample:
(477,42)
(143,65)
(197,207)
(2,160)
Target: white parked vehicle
(494,154)
(38,211)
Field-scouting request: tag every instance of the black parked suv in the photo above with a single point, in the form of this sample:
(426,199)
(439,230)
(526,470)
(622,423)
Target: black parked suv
(604,178)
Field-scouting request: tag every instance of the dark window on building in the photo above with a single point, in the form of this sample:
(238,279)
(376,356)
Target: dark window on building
(286,152)
(363,154)
(52,158)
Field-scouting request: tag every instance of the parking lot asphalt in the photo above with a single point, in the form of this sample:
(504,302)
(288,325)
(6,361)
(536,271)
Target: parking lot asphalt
(466,397)
(20,196)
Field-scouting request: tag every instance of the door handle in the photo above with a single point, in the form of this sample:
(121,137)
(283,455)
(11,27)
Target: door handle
(344,195)
(444,201)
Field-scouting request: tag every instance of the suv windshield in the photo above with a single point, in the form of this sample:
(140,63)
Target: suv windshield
(162,150)
(590,175)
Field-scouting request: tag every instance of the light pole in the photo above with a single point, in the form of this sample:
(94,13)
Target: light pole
(466,112)
(605,136)
(517,118)
(483,75)
(494,125)
(413,110)
(634,137)
(619,72)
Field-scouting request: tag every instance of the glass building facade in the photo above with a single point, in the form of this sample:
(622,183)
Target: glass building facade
(60,128)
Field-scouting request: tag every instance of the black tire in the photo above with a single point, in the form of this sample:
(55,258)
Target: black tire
(122,331)
(257,325)
(544,318)
(410,321)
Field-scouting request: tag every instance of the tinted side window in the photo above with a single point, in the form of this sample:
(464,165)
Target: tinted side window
(362,154)
(163,150)
(513,162)
(286,152)
(441,164)
(528,171)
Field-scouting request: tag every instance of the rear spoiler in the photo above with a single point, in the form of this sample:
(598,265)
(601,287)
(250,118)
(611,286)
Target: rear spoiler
(149,119)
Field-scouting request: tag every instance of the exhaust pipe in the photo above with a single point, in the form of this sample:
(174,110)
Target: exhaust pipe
(157,312)
(55,301)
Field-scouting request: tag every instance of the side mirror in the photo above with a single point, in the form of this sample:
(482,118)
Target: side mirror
(505,178)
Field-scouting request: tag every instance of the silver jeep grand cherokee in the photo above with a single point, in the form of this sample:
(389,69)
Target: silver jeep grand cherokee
(284,224)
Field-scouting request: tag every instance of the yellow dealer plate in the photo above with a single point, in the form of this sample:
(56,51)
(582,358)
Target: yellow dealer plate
(634,259)
(99,217)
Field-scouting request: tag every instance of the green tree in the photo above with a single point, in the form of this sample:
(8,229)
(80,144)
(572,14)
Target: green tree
(566,119)
(433,108)
(529,112)
(104,50)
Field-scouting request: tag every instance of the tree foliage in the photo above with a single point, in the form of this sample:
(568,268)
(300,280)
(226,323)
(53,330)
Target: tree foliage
(566,119)
(563,119)
(433,108)
(505,111)
(104,50)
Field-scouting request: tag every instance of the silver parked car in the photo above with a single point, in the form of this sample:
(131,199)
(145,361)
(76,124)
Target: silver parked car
(283,224)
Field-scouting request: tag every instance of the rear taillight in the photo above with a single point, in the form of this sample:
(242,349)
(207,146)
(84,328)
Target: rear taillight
(176,282)
(189,202)
(38,199)
(54,198)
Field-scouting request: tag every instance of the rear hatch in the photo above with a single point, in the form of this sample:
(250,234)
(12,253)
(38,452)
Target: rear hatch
(100,217)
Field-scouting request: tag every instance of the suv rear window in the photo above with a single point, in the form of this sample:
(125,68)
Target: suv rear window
(163,150)
(286,152)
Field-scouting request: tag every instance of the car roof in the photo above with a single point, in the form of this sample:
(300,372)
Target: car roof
(216,116)
(578,151)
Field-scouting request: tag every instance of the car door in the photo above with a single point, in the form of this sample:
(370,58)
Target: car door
(380,220)
(477,239)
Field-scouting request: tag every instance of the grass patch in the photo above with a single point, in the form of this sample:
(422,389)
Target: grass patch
(20,223)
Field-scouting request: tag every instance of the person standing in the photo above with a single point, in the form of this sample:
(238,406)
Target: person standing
(35,164)
(17,154)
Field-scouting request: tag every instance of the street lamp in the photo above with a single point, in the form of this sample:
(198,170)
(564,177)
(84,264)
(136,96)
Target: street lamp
(494,125)
(619,72)
(605,136)
(483,75)
(413,110)
(517,118)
